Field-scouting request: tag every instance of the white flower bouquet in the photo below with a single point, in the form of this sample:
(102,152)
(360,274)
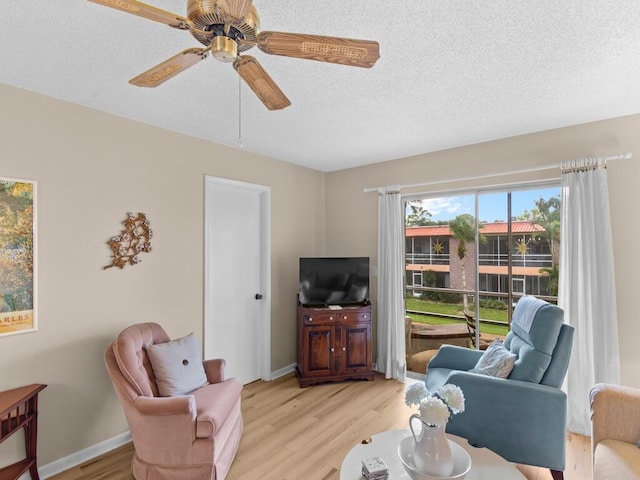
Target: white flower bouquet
(435,409)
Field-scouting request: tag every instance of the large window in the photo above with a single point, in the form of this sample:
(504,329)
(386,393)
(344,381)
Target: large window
(469,257)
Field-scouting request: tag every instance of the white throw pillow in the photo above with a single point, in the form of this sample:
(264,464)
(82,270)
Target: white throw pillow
(177,366)
(496,361)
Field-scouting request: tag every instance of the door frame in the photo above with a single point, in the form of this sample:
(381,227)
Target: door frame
(263,329)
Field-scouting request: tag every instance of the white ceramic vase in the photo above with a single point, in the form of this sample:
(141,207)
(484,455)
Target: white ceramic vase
(431,451)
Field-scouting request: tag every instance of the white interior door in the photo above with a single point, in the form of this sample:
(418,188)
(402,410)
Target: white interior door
(237,323)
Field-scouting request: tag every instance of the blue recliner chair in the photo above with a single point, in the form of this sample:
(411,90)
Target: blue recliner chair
(522,417)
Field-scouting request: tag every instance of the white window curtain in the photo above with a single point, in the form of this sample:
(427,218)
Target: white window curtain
(391,348)
(586,286)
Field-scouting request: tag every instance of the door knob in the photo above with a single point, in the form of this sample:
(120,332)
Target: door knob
(258,296)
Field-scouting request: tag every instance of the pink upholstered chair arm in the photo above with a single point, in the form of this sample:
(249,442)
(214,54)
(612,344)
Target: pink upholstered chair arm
(164,430)
(179,405)
(214,368)
(615,413)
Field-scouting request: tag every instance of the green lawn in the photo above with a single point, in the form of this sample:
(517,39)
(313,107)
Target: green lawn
(419,305)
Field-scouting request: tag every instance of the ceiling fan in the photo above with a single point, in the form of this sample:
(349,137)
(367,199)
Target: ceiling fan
(227,28)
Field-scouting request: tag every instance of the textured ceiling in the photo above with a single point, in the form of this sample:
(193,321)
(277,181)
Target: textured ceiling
(450,73)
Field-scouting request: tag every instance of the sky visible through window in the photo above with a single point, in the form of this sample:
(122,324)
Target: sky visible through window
(492,206)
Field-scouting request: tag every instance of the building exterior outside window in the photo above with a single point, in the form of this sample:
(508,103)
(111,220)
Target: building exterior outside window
(430,264)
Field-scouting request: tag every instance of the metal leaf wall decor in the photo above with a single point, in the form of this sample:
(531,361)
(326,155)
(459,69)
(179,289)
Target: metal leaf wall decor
(133,240)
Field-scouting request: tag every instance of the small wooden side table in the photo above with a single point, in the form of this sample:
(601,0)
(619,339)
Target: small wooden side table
(19,409)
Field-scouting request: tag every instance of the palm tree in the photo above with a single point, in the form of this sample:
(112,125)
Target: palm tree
(463,229)
(547,215)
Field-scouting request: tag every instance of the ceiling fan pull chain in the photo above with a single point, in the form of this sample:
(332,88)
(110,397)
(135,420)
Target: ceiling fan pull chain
(239,111)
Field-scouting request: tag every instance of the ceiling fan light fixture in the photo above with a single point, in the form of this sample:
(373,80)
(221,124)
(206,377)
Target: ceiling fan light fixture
(224,49)
(235,11)
(206,15)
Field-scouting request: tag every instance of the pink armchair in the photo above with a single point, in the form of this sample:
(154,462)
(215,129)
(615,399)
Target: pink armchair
(194,436)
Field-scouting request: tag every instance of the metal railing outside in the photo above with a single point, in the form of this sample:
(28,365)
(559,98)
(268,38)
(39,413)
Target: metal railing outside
(427,258)
(542,260)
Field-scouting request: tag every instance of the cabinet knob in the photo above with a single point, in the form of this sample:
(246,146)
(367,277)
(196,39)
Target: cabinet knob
(330,318)
(311,319)
(344,349)
(345,317)
(333,349)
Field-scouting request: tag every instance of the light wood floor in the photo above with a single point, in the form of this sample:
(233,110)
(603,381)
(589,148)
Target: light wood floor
(303,434)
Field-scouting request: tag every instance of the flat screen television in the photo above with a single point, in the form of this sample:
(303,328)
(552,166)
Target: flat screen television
(326,281)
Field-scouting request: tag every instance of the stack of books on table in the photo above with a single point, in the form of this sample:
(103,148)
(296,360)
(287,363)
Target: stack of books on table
(375,469)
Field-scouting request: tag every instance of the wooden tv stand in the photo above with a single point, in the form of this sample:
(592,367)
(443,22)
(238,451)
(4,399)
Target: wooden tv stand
(334,344)
(19,409)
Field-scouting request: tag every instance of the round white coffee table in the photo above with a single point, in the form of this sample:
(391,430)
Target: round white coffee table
(485,464)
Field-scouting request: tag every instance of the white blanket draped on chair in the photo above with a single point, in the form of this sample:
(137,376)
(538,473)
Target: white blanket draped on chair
(391,358)
(587,286)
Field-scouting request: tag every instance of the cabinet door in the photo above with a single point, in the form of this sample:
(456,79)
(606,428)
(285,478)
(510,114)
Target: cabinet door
(318,351)
(355,347)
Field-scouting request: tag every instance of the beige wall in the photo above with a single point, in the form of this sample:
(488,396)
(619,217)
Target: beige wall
(352,214)
(92,168)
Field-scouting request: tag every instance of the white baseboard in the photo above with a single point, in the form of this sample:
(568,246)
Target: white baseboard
(89,453)
(283,371)
(82,456)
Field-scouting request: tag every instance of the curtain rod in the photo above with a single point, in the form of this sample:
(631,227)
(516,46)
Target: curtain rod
(620,156)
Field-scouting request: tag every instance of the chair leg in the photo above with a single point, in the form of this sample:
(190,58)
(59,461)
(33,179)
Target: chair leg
(557,474)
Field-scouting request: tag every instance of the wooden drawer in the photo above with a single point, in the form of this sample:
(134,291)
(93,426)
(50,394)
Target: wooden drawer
(346,316)
(335,316)
(320,318)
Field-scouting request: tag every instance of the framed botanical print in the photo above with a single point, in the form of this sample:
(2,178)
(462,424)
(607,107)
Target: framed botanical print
(17,256)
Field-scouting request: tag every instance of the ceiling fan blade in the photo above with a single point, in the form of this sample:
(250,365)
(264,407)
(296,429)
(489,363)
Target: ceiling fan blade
(345,51)
(234,11)
(149,12)
(170,68)
(261,83)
